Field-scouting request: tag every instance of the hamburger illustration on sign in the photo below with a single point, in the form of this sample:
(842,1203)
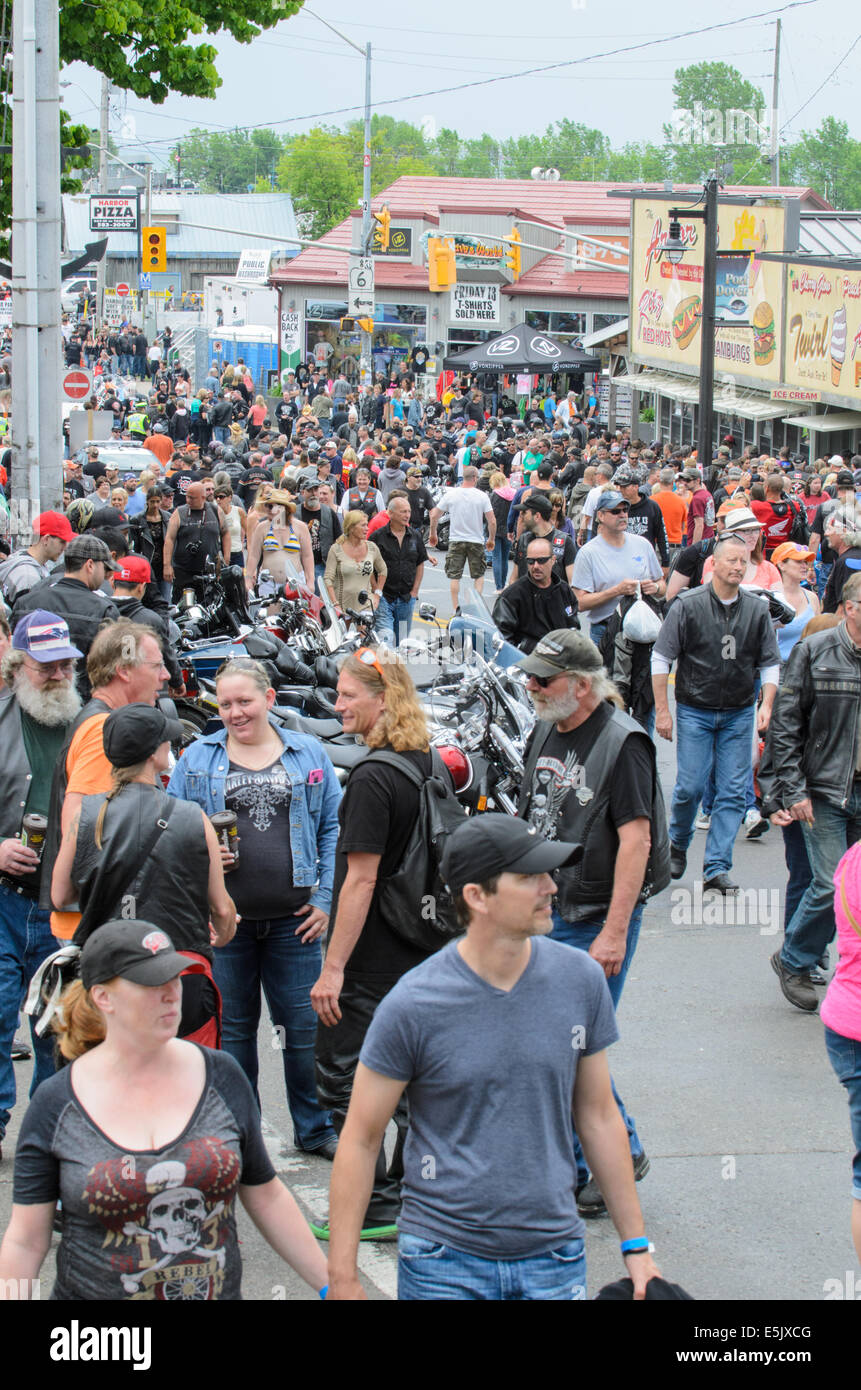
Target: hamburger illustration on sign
(763,333)
(687,319)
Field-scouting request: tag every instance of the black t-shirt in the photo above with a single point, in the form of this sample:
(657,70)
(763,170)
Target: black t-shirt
(563,548)
(180,482)
(376,816)
(691,561)
(845,566)
(421,503)
(311,518)
(252,479)
(559,769)
(155,1225)
(262,884)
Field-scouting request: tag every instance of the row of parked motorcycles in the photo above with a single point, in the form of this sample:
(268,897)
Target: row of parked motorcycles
(474,696)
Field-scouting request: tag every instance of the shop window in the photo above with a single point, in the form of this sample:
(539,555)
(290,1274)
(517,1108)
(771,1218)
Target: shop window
(561,324)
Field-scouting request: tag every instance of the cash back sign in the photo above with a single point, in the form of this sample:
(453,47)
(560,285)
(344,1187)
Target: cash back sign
(666,299)
(823,330)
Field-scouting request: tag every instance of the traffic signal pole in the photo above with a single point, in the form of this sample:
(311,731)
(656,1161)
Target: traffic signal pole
(366,374)
(36,357)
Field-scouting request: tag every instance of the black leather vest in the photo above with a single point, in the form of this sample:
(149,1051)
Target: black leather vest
(54,835)
(585,889)
(171,889)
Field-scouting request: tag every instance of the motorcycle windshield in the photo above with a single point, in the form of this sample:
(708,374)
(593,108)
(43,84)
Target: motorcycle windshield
(475,621)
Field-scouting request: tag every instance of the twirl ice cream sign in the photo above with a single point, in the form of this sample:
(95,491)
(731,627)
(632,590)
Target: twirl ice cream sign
(823,331)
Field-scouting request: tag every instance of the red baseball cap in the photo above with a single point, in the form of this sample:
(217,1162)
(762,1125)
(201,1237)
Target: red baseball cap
(54,524)
(134,569)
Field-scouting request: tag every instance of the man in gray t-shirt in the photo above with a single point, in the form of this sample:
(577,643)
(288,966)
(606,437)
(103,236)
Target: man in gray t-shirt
(494,1039)
(613,564)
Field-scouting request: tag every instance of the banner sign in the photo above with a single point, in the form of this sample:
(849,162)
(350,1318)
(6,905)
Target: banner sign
(290,331)
(732,289)
(253,267)
(475,304)
(823,331)
(400,242)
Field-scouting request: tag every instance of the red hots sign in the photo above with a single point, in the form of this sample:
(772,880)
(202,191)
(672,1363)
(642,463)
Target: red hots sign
(658,240)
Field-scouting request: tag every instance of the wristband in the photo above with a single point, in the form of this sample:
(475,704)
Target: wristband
(324,1291)
(639,1245)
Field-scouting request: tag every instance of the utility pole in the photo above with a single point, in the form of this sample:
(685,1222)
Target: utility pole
(707,332)
(366,374)
(104,129)
(36,357)
(774,123)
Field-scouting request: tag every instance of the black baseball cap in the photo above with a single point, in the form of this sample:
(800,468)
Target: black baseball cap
(134,950)
(496,844)
(132,734)
(563,649)
(537,502)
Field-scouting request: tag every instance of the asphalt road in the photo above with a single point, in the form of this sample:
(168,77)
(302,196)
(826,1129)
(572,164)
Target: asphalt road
(747,1128)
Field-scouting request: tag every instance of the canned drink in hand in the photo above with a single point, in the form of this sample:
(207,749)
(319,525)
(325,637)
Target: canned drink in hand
(33,830)
(226,828)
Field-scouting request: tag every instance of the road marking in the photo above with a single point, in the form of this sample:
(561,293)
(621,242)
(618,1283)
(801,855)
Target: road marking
(379,1266)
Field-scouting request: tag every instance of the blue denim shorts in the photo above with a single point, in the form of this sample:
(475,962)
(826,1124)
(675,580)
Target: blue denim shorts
(428,1270)
(845,1057)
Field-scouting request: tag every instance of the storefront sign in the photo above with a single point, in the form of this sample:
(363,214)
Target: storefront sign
(666,299)
(400,242)
(617,257)
(823,331)
(795,394)
(475,304)
(113,214)
(118,308)
(732,289)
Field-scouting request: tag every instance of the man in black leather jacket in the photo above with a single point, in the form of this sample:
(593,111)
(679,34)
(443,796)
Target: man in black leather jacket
(539,602)
(811,772)
(590,776)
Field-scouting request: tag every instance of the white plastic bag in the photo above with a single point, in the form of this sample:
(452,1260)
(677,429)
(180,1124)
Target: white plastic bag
(641,623)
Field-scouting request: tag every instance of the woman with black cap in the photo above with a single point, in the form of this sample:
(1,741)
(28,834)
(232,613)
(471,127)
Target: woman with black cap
(147,1140)
(136,850)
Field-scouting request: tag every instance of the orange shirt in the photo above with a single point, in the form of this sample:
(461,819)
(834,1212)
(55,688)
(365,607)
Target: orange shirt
(674,510)
(88,772)
(162,446)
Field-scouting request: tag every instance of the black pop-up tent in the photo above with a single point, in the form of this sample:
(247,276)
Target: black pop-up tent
(522,349)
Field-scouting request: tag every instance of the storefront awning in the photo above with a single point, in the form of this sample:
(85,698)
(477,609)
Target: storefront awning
(749,408)
(826,424)
(676,387)
(603,335)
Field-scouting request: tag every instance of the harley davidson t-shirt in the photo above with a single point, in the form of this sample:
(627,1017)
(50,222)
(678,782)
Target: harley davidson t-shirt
(153,1225)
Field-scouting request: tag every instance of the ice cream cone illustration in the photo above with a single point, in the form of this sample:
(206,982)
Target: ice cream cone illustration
(838,344)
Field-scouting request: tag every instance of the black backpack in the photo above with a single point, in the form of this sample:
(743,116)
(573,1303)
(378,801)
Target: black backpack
(414,902)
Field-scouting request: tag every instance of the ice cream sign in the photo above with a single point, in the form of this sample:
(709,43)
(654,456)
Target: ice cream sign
(823,331)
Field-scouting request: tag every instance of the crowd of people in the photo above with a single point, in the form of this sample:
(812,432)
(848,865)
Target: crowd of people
(620,567)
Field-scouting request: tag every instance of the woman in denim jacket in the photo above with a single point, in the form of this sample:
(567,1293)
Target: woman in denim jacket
(285,794)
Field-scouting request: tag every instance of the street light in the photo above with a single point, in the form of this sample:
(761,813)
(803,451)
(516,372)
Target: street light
(674,247)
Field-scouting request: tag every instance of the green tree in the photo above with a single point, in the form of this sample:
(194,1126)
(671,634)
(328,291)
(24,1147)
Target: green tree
(319,172)
(445,152)
(639,163)
(829,160)
(717,112)
(227,161)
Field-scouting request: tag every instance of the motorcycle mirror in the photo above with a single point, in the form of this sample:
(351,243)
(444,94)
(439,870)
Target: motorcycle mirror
(427,611)
(362,596)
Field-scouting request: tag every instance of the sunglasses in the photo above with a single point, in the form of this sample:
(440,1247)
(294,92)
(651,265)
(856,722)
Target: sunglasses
(369,658)
(618,511)
(540,560)
(544,681)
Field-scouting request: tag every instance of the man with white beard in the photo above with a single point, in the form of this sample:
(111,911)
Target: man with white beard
(37,705)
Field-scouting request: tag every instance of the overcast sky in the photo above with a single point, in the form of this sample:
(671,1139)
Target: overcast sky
(293,74)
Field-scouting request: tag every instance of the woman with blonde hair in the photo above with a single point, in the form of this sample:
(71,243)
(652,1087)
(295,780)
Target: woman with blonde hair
(280,541)
(149,1140)
(255,417)
(119,500)
(354,563)
(366,953)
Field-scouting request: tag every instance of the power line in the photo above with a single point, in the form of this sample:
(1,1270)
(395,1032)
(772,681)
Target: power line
(831,74)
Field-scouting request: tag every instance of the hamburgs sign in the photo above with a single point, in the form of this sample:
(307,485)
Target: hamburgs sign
(475,304)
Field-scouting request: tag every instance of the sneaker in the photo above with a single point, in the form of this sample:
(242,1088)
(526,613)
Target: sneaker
(368,1232)
(754,824)
(702,821)
(591,1203)
(20,1051)
(796,988)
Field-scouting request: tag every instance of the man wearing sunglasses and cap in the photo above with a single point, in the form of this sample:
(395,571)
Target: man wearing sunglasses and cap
(612,564)
(502,990)
(590,775)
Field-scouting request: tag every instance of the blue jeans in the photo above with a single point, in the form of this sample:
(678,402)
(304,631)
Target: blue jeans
(139,367)
(709,793)
(431,1271)
(845,1057)
(597,630)
(834,829)
(220,433)
(501,548)
(25,941)
(797,866)
(822,572)
(269,953)
(395,615)
(706,737)
(580,935)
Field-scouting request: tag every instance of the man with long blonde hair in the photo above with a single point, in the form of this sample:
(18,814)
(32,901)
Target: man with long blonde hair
(365,953)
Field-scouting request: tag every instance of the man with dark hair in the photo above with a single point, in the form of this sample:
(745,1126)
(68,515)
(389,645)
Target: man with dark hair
(76,597)
(536,512)
(438,1037)
(539,602)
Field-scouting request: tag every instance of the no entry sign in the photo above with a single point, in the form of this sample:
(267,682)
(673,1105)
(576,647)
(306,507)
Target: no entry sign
(76,384)
(122,290)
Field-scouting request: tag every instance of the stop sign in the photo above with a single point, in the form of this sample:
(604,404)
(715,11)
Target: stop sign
(76,384)
(122,290)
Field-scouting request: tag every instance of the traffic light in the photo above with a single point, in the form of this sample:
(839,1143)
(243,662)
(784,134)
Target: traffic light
(513,259)
(366,325)
(347,324)
(442,267)
(383,219)
(154,249)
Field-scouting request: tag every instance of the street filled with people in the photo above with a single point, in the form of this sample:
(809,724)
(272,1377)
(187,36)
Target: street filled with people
(354,701)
